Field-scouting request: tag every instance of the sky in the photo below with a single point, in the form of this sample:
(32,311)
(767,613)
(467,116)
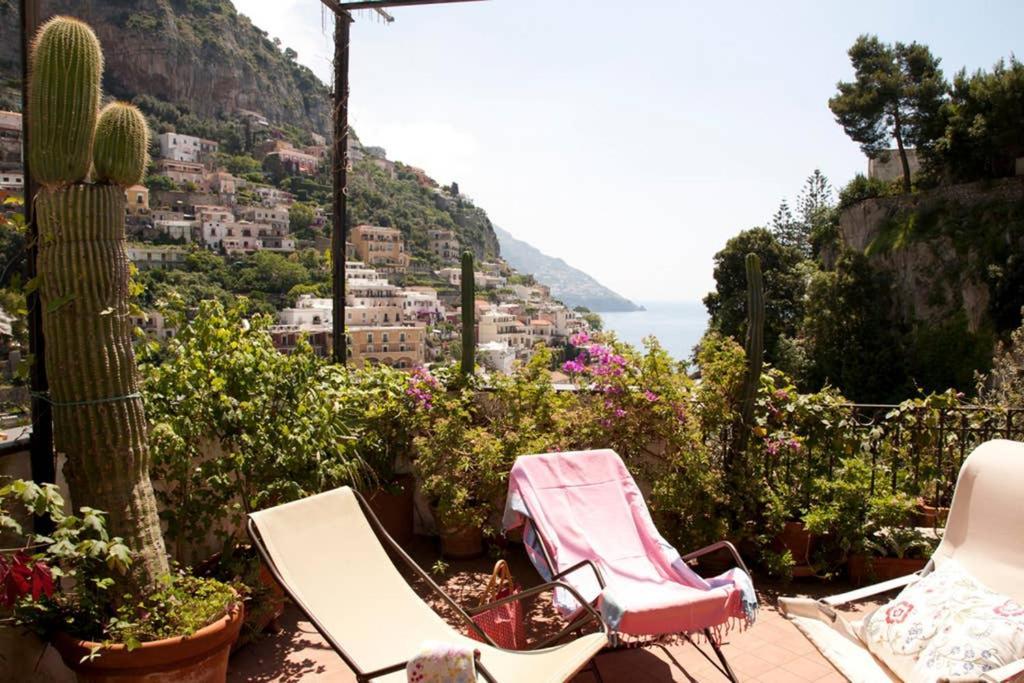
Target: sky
(630,138)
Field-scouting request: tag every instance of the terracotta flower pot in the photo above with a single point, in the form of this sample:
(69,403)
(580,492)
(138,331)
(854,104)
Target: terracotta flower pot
(797,540)
(864,568)
(930,516)
(462,544)
(199,658)
(395,510)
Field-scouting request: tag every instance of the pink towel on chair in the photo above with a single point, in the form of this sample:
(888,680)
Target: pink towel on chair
(586,506)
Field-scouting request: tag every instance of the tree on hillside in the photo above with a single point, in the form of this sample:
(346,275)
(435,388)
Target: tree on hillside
(984,124)
(897,93)
(784,277)
(300,217)
(848,335)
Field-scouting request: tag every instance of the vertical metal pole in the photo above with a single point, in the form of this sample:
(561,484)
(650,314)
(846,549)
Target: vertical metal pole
(41,444)
(342,22)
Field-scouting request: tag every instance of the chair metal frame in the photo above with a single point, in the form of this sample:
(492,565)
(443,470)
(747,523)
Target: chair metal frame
(383,536)
(722,665)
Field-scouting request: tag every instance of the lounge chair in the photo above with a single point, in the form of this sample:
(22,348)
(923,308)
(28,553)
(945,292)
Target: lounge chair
(585,522)
(984,535)
(327,552)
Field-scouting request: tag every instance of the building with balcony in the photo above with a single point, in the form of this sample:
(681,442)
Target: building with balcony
(277,217)
(378,246)
(452,276)
(495,326)
(178,147)
(175,230)
(10,138)
(372,302)
(136,200)
(270,196)
(497,357)
(444,244)
(182,172)
(399,347)
(12,181)
(152,256)
(421,304)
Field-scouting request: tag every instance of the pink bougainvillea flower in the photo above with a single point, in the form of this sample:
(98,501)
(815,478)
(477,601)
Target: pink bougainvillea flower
(650,395)
(579,339)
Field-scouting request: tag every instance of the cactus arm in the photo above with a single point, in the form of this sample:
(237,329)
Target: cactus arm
(755,337)
(121,148)
(64,97)
(468,315)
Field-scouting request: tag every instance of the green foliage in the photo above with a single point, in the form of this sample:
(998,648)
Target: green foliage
(784,277)
(983,134)
(897,92)
(120,150)
(157,183)
(64,96)
(850,338)
(860,188)
(238,426)
(300,218)
(1003,385)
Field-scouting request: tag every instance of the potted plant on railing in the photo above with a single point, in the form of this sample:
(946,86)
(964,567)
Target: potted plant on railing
(67,588)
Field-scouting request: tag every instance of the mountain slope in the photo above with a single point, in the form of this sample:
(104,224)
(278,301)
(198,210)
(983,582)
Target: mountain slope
(201,54)
(570,285)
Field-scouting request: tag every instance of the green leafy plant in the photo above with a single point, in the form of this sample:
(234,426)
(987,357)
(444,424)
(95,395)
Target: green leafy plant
(68,581)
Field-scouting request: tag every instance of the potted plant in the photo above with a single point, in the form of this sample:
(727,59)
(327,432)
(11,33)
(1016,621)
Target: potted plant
(69,588)
(463,473)
(894,552)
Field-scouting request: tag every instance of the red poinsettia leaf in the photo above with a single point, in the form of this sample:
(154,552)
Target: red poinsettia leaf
(42,580)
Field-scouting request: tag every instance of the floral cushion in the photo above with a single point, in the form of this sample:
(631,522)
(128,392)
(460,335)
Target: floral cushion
(945,626)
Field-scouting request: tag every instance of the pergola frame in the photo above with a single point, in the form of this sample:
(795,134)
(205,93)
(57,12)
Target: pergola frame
(41,441)
(340,228)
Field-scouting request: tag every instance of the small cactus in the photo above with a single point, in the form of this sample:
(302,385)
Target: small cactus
(468,314)
(755,336)
(122,145)
(64,97)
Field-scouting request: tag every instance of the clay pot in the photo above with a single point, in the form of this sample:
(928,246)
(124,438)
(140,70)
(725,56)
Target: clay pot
(797,540)
(271,603)
(462,544)
(930,516)
(865,568)
(395,510)
(199,658)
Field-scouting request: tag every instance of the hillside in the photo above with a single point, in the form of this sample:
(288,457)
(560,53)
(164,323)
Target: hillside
(198,54)
(569,285)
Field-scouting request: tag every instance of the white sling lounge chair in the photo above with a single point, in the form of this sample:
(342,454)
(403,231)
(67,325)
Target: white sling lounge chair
(327,553)
(984,535)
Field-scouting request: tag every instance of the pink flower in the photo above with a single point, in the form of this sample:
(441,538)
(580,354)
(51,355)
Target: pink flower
(579,339)
(573,367)
(899,612)
(650,395)
(781,394)
(620,413)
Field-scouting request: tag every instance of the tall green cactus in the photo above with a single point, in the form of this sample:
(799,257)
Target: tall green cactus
(98,417)
(468,315)
(755,339)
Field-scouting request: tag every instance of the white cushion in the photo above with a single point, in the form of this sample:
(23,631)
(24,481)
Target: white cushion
(945,626)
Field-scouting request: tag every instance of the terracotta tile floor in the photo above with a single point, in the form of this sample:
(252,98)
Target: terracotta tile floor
(773,651)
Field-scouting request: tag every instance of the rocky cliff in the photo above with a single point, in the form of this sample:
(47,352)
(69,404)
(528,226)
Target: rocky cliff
(954,251)
(201,54)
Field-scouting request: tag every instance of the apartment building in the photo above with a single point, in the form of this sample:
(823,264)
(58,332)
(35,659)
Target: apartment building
(177,147)
(379,246)
(271,196)
(399,347)
(151,256)
(136,200)
(182,172)
(276,217)
(495,326)
(444,244)
(175,229)
(421,304)
(10,138)
(12,181)
(372,302)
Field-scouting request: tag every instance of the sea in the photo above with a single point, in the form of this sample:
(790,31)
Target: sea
(678,325)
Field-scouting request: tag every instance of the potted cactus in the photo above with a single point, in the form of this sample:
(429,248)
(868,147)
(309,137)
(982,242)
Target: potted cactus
(83,159)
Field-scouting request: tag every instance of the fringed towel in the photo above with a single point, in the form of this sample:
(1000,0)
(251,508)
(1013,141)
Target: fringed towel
(586,506)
